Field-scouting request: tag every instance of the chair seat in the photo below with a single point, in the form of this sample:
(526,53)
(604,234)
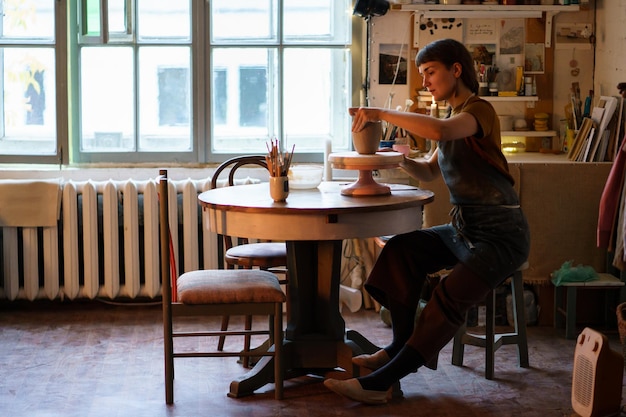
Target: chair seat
(265,254)
(225,287)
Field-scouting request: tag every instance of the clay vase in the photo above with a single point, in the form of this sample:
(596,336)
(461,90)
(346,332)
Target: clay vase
(367,140)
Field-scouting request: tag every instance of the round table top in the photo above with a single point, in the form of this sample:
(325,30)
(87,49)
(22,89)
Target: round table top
(321,213)
(326,198)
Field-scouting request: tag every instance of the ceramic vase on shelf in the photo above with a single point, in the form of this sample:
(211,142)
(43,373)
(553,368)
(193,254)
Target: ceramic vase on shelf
(279,188)
(367,140)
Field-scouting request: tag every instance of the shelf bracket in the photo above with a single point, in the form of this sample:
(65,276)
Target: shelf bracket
(549,18)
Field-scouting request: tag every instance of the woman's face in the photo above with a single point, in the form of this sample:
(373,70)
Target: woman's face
(438,79)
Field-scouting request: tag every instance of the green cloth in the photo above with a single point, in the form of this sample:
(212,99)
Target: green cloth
(579,273)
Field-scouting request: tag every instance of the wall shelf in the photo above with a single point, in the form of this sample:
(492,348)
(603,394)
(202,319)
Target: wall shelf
(482,11)
(493,99)
(493,9)
(529,133)
(510,98)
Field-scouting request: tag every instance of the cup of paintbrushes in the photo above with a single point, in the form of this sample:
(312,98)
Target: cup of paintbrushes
(279,188)
(278,166)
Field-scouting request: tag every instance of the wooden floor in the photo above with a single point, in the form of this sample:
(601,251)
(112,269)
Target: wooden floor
(93,359)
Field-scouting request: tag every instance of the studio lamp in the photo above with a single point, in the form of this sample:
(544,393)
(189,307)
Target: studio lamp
(367,8)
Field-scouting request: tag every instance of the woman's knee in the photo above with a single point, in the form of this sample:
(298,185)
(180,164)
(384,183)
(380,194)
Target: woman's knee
(461,290)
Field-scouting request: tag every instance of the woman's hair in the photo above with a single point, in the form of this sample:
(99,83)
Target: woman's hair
(448,52)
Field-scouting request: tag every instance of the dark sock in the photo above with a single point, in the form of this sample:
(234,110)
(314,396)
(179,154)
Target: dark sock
(405,362)
(402,323)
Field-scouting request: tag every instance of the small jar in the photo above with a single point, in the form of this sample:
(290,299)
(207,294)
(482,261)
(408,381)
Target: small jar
(483,89)
(528,86)
(493,89)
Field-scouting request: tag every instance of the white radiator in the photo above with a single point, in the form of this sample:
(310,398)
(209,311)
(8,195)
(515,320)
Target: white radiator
(106,243)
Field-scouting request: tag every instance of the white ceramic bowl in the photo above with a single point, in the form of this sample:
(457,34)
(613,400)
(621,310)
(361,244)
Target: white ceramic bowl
(302,177)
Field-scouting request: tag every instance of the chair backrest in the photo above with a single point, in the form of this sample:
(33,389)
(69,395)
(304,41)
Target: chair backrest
(234,164)
(226,242)
(168,268)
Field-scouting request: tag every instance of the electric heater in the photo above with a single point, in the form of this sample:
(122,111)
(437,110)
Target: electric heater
(597,376)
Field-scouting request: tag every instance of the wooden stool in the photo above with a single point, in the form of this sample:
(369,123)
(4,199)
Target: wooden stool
(604,282)
(491,340)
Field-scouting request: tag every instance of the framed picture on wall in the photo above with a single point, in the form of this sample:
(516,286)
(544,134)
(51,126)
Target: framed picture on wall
(534,58)
(392,67)
(483,53)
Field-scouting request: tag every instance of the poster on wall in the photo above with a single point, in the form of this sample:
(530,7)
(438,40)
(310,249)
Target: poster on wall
(392,64)
(480,31)
(510,53)
(511,36)
(507,64)
(573,35)
(427,30)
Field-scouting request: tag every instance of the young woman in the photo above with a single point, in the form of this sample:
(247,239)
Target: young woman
(485,242)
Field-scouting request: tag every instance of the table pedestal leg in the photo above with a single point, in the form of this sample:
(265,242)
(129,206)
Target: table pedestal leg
(316,341)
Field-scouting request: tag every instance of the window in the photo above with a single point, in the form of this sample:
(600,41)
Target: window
(28,62)
(135,86)
(173,81)
(284,75)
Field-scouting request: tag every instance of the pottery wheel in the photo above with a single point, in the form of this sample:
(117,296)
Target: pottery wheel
(365,164)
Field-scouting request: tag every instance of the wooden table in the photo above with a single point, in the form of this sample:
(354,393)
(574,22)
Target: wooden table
(313,223)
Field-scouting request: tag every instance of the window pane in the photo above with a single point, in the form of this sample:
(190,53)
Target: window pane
(308,21)
(28,105)
(316,82)
(243,20)
(117,16)
(107,99)
(28,19)
(243,102)
(161,19)
(91,22)
(165,98)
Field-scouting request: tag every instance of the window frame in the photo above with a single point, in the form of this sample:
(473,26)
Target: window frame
(67,100)
(61,155)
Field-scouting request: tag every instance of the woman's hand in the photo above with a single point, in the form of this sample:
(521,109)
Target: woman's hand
(362,116)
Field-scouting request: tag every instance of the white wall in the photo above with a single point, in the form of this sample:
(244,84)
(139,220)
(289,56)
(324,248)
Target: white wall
(611,46)
(563,54)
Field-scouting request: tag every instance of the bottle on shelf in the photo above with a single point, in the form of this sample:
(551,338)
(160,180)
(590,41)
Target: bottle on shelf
(528,86)
(434,109)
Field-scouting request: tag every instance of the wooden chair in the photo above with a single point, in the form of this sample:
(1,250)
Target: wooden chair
(238,252)
(214,293)
(491,340)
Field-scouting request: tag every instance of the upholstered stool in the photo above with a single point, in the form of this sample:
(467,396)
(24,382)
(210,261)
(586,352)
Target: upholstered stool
(604,282)
(491,340)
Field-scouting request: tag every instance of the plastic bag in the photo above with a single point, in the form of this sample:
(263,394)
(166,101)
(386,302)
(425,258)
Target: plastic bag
(568,273)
